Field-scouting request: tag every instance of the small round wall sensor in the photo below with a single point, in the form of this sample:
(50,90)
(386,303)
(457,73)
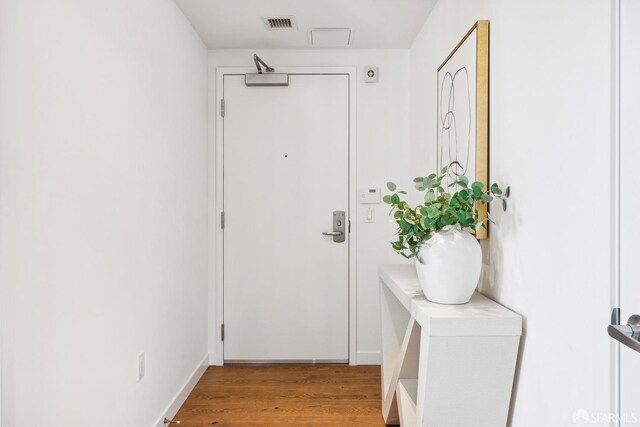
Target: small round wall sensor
(370,74)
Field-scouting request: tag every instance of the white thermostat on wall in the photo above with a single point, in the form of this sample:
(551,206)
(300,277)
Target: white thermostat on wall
(370,195)
(370,74)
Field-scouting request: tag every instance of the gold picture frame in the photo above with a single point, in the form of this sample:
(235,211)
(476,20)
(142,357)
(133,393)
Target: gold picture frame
(463,111)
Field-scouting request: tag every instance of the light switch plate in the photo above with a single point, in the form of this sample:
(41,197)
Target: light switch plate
(370,215)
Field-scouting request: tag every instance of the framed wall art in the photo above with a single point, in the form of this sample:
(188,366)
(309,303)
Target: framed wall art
(463,111)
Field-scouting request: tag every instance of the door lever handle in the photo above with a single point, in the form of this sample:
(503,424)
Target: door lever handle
(628,334)
(339,229)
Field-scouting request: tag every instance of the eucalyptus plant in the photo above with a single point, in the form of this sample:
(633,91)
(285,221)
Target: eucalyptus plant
(441,210)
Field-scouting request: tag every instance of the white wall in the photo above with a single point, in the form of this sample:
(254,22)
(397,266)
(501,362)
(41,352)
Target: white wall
(550,140)
(103,212)
(382,155)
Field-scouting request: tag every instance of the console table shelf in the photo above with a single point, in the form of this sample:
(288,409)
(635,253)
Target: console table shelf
(447,365)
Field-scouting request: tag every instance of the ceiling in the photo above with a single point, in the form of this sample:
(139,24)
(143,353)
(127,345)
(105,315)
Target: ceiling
(237,24)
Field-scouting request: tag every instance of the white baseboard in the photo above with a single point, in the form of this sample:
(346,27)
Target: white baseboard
(362,358)
(174,406)
(368,358)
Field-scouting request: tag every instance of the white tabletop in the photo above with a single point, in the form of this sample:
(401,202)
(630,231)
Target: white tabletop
(479,317)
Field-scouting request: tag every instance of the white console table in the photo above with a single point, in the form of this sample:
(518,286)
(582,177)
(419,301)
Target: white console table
(444,365)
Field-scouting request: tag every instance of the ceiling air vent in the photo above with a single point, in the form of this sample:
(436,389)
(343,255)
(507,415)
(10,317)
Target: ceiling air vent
(280,22)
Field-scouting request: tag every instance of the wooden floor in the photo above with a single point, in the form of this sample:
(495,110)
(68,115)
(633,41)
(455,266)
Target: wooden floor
(285,396)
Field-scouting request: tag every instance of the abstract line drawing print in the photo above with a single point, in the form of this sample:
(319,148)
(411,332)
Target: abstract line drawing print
(462,124)
(455,124)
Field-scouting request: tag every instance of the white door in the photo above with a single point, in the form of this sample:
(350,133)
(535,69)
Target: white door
(629,204)
(286,170)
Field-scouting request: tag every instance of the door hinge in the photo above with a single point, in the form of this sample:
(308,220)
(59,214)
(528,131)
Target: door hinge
(349,226)
(222,220)
(222,108)
(222,332)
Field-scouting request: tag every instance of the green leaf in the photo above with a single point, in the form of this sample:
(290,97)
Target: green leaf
(432,211)
(429,196)
(432,176)
(395,198)
(418,179)
(463,181)
(444,170)
(496,190)
(391,186)
(477,186)
(402,192)
(507,192)
(387,199)
(504,205)
(486,198)
(426,222)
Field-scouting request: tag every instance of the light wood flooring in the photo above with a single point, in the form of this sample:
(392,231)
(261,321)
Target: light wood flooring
(285,396)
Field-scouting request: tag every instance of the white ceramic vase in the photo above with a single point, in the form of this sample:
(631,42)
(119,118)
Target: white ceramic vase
(448,267)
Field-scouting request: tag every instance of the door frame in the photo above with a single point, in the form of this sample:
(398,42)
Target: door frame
(216,206)
(614,347)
